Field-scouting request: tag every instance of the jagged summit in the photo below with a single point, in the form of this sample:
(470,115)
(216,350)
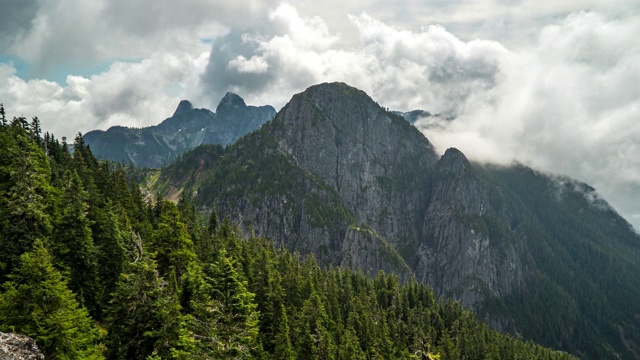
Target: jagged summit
(187,128)
(229,102)
(183,106)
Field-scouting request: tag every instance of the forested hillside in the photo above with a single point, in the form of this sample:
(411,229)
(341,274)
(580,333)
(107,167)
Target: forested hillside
(336,175)
(90,270)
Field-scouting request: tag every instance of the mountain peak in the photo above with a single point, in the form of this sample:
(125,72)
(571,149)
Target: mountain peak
(335,89)
(183,106)
(230,101)
(453,161)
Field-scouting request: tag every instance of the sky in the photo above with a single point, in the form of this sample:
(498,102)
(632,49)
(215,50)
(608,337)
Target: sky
(550,84)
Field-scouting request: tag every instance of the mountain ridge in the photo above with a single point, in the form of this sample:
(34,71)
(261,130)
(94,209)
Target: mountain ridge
(188,127)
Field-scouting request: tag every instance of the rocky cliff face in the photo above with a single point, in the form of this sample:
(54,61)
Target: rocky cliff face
(377,163)
(336,175)
(458,255)
(156,146)
(18,347)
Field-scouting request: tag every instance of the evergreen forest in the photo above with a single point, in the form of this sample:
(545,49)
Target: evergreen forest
(93,268)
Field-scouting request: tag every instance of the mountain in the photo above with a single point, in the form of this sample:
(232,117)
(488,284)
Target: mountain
(336,175)
(90,270)
(155,146)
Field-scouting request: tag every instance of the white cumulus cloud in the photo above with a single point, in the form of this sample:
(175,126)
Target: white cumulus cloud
(133,93)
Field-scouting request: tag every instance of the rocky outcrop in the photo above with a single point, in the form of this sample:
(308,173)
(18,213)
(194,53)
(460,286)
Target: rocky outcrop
(183,106)
(18,347)
(377,163)
(365,250)
(336,175)
(156,146)
(459,255)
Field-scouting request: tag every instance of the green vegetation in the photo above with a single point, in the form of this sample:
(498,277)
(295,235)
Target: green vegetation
(582,294)
(83,248)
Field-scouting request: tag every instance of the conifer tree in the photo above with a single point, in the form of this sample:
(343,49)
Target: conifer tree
(37,302)
(73,246)
(189,217)
(144,316)
(225,320)
(25,195)
(36,130)
(171,245)
(3,116)
(109,238)
(282,341)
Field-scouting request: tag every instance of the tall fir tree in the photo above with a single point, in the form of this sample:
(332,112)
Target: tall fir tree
(37,302)
(172,247)
(3,116)
(225,320)
(25,196)
(143,318)
(73,246)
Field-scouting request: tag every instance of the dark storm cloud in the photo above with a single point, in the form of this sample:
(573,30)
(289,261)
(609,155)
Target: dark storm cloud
(15,20)
(220,76)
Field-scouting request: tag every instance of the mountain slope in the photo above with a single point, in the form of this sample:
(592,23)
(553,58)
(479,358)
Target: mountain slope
(187,128)
(336,175)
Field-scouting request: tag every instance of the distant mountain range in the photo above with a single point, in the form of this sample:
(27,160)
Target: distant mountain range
(337,176)
(156,146)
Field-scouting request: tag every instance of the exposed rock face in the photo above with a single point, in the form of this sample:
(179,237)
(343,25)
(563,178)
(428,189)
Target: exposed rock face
(156,146)
(365,250)
(18,347)
(377,163)
(360,187)
(183,106)
(457,255)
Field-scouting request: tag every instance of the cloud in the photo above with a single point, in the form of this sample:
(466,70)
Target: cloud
(58,34)
(567,105)
(14,20)
(254,65)
(391,64)
(133,93)
(554,88)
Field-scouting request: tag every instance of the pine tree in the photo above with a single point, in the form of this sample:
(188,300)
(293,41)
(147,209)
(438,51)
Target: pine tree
(36,130)
(144,316)
(282,341)
(3,116)
(37,302)
(225,320)
(73,246)
(109,237)
(171,243)
(189,217)
(25,195)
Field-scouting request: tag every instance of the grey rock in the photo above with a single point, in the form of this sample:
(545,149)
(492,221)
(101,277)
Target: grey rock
(18,347)
(457,256)
(183,106)
(398,207)
(365,250)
